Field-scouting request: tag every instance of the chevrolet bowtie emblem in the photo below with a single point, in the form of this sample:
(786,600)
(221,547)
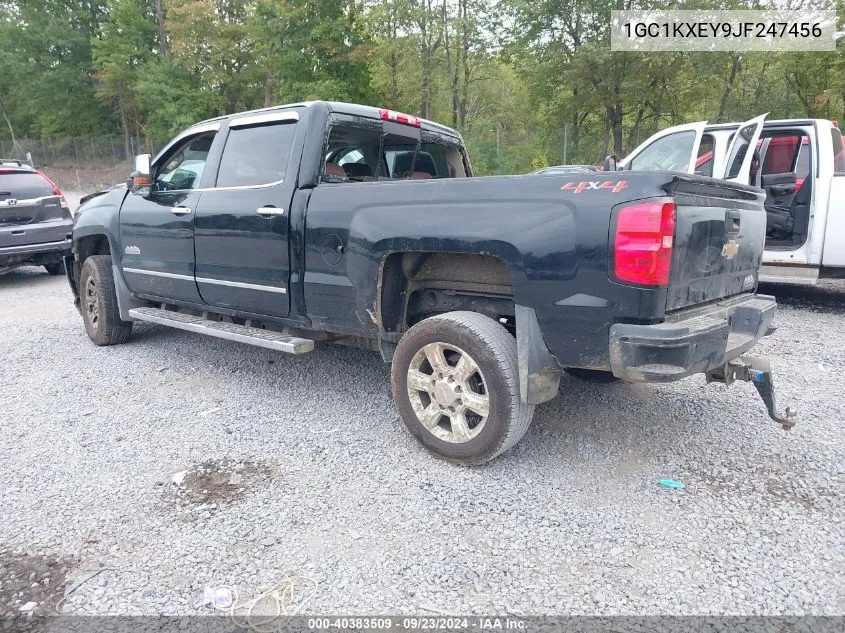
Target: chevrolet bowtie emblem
(730,249)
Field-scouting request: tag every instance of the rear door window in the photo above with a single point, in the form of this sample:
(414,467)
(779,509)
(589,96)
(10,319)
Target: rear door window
(256,155)
(23,186)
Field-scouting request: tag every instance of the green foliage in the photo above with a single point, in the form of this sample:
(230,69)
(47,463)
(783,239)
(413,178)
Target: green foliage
(520,79)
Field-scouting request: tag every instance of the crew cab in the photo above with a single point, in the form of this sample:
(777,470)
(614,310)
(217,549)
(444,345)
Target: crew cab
(332,222)
(35,220)
(801,169)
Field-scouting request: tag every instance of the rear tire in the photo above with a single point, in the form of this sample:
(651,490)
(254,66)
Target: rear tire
(592,375)
(55,269)
(463,401)
(98,302)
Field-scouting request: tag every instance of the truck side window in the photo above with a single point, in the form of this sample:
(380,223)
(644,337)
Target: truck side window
(256,155)
(670,153)
(183,168)
(740,150)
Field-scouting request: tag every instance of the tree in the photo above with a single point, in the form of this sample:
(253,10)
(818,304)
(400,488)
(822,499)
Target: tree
(47,77)
(125,43)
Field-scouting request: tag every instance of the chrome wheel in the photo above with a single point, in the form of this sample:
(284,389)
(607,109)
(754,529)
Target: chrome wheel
(92,302)
(448,392)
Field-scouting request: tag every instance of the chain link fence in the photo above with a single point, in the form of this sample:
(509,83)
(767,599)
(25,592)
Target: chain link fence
(82,164)
(86,164)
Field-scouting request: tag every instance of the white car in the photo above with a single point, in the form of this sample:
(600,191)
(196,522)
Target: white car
(799,163)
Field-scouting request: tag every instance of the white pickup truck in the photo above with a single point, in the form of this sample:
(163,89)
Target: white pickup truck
(799,163)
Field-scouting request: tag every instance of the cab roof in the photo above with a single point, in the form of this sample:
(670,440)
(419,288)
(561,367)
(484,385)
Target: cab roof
(340,107)
(768,122)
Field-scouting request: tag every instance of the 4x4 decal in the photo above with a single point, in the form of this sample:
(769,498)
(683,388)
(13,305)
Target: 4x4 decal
(615,187)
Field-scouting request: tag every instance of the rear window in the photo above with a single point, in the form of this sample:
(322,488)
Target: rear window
(838,152)
(780,155)
(785,153)
(431,159)
(361,153)
(256,155)
(23,186)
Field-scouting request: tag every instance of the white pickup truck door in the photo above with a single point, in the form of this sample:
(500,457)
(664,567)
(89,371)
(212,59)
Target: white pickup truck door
(672,149)
(833,253)
(737,165)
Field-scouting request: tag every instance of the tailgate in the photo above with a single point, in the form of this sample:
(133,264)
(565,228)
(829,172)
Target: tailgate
(42,209)
(720,231)
(32,221)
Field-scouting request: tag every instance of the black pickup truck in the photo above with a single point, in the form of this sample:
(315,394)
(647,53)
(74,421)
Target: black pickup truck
(331,222)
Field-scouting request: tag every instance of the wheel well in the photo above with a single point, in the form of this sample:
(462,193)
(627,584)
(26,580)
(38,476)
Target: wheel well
(91,245)
(86,246)
(417,285)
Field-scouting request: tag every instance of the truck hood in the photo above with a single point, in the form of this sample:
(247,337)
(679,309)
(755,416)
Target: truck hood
(91,196)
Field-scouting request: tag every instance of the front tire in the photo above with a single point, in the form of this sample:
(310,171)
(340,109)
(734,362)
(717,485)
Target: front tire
(455,382)
(98,301)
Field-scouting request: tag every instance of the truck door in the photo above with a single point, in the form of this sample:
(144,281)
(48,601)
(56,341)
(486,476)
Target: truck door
(241,228)
(156,231)
(672,149)
(742,151)
(833,254)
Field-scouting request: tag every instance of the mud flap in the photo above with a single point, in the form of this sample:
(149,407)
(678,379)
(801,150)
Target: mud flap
(125,300)
(759,372)
(539,375)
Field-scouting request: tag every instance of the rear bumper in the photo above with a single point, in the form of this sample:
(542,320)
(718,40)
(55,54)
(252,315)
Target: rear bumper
(694,341)
(34,253)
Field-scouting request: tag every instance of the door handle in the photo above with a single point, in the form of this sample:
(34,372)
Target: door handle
(269,212)
(180,210)
(732,221)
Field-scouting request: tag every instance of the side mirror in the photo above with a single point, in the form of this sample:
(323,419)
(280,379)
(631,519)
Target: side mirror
(140,180)
(609,163)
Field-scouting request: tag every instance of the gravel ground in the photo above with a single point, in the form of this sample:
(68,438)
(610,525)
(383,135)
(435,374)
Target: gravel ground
(301,464)
(72,198)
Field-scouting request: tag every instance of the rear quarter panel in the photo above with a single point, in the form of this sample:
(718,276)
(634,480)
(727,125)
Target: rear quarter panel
(553,237)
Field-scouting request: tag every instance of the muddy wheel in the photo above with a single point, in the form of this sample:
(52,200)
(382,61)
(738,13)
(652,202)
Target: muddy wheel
(592,375)
(98,301)
(456,385)
(55,269)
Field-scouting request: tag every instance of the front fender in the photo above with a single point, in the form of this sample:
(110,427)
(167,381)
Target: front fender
(100,216)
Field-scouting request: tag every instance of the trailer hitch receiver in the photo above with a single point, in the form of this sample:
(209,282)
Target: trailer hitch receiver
(759,372)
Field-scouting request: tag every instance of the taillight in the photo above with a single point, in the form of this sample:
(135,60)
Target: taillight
(398,117)
(642,252)
(56,190)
